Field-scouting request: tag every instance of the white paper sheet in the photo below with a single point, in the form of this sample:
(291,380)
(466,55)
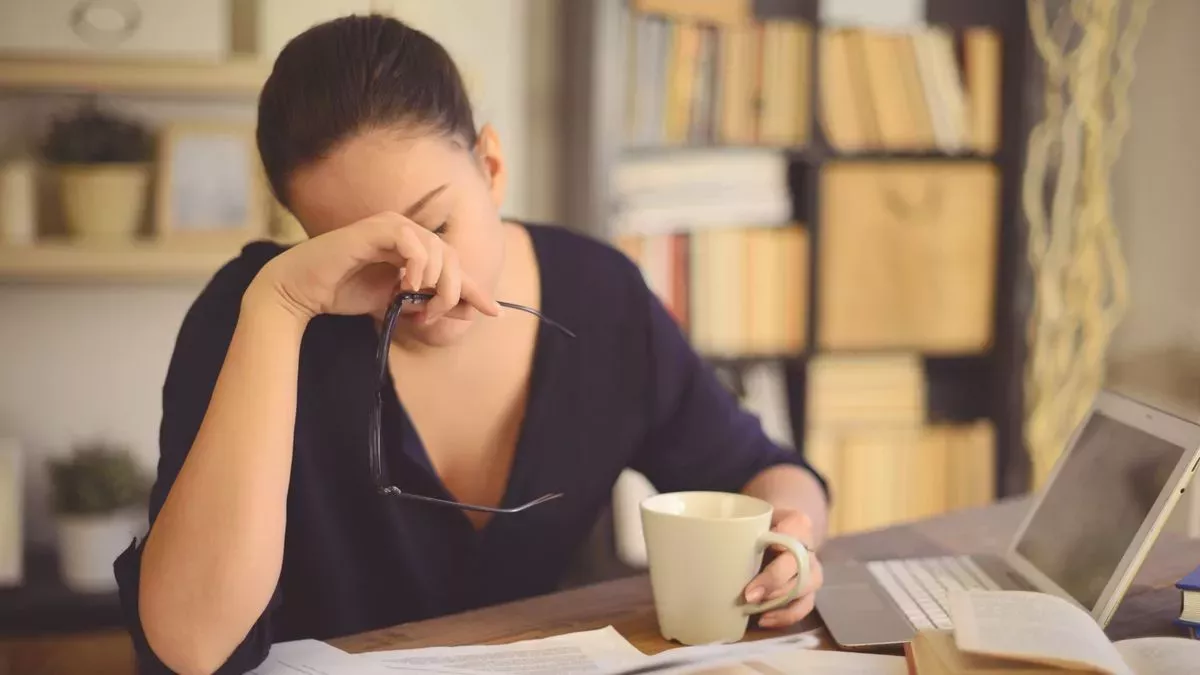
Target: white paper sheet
(312,657)
(584,653)
(708,658)
(597,652)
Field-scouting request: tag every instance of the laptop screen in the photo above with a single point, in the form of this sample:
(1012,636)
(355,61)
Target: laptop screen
(1096,505)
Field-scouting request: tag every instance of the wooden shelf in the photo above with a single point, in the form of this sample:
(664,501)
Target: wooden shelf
(232,78)
(63,262)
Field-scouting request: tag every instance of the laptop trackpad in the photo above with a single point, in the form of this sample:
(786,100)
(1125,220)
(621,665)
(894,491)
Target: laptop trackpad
(857,612)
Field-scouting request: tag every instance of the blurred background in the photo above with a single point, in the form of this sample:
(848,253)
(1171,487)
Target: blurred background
(914,236)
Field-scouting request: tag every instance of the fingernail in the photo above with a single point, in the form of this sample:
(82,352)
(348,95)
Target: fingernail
(767,622)
(755,594)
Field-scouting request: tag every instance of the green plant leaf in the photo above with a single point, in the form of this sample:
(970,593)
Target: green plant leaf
(98,479)
(92,136)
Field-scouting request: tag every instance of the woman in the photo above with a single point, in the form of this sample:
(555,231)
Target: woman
(267,524)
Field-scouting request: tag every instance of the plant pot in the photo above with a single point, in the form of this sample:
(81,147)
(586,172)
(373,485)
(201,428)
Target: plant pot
(104,203)
(87,548)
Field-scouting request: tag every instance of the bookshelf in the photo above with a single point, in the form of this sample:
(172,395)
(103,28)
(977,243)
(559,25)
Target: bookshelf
(958,125)
(50,262)
(237,78)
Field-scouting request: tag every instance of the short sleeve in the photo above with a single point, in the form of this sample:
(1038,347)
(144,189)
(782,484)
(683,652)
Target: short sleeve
(700,438)
(196,361)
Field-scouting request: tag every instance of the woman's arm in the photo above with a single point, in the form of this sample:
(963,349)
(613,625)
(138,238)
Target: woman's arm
(212,559)
(791,488)
(210,566)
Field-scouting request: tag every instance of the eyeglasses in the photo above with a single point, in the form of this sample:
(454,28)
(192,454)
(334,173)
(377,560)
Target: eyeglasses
(374,435)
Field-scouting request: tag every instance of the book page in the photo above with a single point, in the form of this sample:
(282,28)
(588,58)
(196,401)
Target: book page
(583,653)
(1161,655)
(1034,627)
(312,657)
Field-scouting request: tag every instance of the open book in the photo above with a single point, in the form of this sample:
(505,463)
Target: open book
(1026,633)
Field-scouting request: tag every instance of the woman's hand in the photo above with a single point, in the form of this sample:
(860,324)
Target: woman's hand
(779,576)
(359,268)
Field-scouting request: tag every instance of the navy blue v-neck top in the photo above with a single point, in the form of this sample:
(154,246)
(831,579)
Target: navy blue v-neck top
(627,392)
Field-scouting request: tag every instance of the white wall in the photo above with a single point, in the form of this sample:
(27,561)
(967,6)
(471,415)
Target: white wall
(79,362)
(1156,350)
(1156,201)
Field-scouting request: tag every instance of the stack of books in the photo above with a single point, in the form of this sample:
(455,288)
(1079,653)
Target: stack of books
(867,431)
(712,232)
(694,81)
(1189,612)
(866,390)
(912,91)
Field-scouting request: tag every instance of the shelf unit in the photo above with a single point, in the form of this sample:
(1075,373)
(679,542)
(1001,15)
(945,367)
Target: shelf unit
(234,78)
(65,261)
(143,263)
(987,385)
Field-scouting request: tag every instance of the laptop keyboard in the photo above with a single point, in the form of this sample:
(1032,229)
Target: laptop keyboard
(921,586)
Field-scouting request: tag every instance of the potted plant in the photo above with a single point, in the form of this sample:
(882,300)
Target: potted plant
(102,161)
(98,495)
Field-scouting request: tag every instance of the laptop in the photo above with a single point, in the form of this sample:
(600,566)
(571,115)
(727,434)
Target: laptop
(1083,539)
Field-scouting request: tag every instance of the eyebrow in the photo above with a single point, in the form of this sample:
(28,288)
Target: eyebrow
(420,203)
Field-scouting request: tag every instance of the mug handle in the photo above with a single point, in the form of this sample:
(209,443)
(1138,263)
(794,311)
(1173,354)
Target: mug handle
(798,551)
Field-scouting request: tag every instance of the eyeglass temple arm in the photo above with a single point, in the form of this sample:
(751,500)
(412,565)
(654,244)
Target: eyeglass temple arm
(393,313)
(381,359)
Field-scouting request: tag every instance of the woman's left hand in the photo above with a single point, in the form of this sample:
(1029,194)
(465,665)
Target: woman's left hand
(779,576)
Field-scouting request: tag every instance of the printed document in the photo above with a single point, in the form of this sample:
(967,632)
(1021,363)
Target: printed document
(788,655)
(596,652)
(584,653)
(313,657)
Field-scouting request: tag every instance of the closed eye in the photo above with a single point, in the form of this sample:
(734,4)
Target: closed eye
(441,229)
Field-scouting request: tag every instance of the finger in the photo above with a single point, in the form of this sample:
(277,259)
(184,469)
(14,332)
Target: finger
(796,524)
(435,257)
(381,238)
(449,287)
(788,615)
(415,258)
(389,234)
(478,298)
(774,581)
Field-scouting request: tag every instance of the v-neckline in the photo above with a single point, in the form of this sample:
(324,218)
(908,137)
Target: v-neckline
(413,446)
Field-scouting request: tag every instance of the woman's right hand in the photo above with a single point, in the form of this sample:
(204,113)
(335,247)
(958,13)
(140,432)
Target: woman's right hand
(359,269)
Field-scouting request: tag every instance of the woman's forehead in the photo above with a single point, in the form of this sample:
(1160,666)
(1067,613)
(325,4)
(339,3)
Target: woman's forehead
(376,172)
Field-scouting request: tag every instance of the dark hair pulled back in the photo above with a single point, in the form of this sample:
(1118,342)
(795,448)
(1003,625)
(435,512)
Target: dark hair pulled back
(350,75)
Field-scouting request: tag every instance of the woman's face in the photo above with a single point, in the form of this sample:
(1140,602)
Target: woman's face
(432,180)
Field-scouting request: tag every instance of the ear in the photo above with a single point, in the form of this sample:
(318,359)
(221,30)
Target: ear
(491,156)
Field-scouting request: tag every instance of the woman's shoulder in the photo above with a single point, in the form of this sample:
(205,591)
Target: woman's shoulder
(232,278)
(214,311)
(567,256)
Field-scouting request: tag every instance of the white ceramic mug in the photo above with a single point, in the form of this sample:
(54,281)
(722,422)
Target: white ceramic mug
(703,549)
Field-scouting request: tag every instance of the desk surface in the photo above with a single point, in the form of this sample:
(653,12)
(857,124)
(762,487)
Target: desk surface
(1148,609)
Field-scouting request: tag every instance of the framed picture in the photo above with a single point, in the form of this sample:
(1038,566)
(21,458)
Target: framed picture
(210,184)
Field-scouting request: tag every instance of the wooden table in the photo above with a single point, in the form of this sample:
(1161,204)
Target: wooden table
(1148,609)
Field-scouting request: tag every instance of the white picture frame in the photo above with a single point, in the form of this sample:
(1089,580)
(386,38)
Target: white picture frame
(210,185)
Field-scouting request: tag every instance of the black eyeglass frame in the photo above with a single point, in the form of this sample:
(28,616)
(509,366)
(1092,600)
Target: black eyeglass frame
(375,432)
